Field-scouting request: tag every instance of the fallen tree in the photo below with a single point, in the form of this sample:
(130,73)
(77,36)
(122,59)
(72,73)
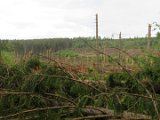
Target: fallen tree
(35,90)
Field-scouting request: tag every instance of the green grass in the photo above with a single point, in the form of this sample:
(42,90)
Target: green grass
(8,58)
(67,53)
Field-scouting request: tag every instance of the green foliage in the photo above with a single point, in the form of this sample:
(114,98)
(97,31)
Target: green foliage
(148,76)
(101,102)
(85,100)
(46,79)
(8,57)
(45,85)
(158,35)
(49,85)
(3,70)
(118,79)
(32,64)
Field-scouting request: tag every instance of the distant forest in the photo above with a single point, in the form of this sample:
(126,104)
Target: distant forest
(55,44)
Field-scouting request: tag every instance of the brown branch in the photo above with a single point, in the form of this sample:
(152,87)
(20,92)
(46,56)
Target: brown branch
(50,94)
(4,93)
(34,110)
(96,116)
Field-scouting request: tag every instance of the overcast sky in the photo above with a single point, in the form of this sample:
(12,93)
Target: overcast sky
(73,18)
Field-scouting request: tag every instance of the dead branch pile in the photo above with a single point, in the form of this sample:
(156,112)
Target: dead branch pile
(34,90)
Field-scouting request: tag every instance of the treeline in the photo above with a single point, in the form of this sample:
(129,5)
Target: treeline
(56,44)
(42,45)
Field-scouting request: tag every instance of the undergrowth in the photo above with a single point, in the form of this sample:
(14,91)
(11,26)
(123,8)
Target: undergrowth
(147,79)
(35,90)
